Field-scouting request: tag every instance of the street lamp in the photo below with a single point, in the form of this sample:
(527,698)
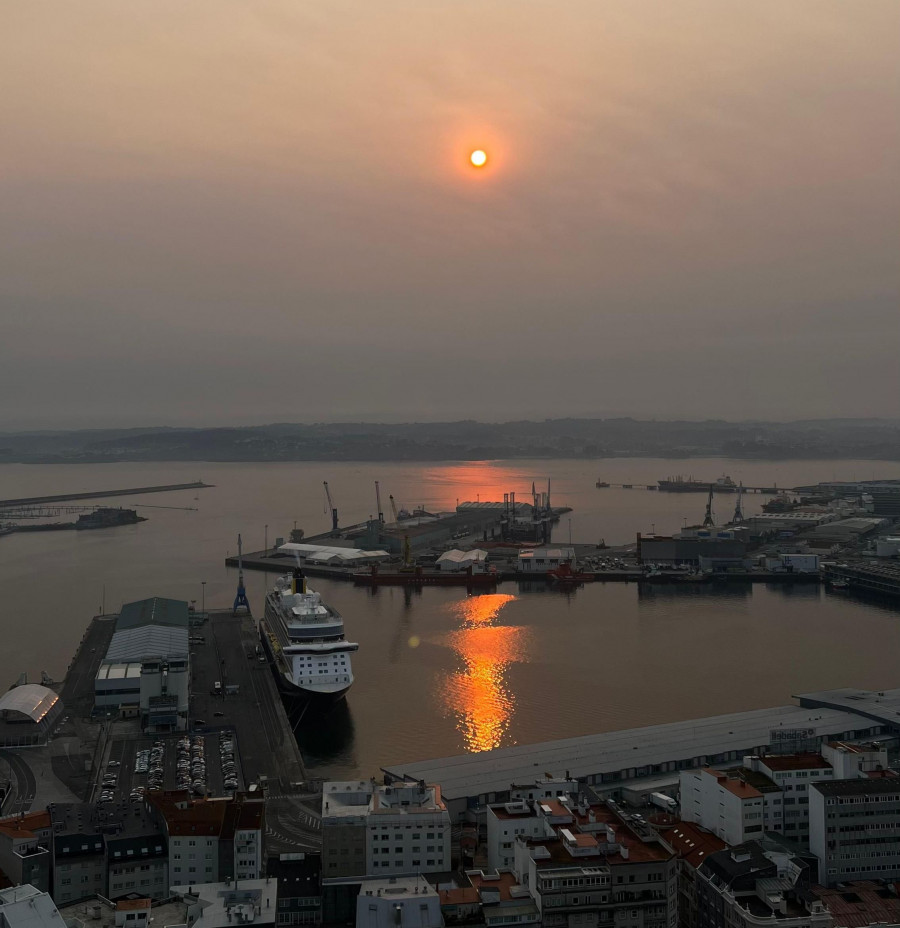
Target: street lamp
(203,597)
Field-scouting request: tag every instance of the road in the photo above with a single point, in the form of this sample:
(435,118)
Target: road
(23,783)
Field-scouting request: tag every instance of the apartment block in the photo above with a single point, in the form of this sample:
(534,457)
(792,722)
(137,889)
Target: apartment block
(854,829)
(25,851)
(599,868)
(211,840)
(748,886)
(399,829)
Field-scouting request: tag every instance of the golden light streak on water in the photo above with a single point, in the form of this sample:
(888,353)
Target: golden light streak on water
(478,694)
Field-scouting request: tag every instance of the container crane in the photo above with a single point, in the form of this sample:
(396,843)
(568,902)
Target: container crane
(393,507)
(378,502)
(329,503)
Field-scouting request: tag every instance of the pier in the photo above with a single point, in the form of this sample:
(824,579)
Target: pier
(100,494)
(716,488)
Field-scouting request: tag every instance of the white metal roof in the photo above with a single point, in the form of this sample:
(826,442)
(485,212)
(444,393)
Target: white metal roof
(475,556)
(26,907)
(330,552)
(136,644)
(30,699)
(609,752)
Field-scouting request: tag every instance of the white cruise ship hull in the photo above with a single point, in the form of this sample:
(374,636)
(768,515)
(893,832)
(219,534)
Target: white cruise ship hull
(316,671)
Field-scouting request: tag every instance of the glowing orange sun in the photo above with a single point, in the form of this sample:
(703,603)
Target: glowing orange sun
(478,158)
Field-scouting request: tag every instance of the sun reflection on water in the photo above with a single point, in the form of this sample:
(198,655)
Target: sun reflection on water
(478,694)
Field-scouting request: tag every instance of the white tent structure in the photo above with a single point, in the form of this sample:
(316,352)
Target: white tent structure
(333,556)
(456,560)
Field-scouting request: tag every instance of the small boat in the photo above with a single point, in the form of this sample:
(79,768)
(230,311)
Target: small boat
(840,585)
(600,484)
(564,574)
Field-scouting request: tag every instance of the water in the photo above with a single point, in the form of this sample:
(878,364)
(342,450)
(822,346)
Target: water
(439,672)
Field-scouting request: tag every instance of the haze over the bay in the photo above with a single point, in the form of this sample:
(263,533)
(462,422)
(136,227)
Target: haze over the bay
(221,211)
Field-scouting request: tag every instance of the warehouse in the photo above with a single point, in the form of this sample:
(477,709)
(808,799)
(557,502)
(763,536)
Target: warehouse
(146,669)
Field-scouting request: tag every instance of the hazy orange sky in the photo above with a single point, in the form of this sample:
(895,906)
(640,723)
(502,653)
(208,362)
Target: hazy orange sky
(223,211)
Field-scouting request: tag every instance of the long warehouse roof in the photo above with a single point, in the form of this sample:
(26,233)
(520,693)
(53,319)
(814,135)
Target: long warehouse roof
(609,752)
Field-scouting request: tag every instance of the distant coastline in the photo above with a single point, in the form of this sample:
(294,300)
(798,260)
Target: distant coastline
(583,439)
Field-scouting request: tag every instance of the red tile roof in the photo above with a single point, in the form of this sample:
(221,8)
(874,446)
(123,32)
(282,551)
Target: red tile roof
(692,843)
(873,904)
(25,825)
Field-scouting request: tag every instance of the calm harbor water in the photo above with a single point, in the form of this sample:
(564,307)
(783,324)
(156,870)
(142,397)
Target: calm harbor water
(439,672)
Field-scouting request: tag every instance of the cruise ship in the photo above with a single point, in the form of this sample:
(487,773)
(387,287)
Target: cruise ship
(304,639)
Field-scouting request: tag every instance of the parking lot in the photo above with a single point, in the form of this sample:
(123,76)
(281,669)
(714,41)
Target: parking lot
(207,764)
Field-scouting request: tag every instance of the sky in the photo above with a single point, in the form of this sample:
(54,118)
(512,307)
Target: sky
(233,212)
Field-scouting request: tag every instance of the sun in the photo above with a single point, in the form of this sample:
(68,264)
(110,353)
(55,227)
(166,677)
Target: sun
(478,158)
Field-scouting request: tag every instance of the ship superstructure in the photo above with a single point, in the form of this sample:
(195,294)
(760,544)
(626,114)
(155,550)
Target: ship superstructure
(304,639)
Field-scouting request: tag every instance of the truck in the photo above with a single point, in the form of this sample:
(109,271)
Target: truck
(664,802)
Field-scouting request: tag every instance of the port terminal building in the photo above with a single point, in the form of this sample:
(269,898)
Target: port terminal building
(146,670)
(619,760)
(28,714)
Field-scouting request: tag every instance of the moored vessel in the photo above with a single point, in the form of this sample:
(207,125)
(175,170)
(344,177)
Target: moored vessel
(680,484)
(303,638)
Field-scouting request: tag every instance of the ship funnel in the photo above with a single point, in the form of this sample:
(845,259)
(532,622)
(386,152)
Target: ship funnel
(298,581)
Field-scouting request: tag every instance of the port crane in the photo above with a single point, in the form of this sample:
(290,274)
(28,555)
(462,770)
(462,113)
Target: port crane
(240,600)
(329,502)
(738,509)
(708,520)
(378,502)
(393,507)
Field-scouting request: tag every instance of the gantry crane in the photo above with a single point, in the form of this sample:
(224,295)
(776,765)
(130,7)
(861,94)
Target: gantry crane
(378,502)
(393,507)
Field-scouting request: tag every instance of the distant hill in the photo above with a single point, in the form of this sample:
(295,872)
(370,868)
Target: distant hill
(871,439)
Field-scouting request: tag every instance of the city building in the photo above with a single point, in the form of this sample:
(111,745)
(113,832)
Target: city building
(746,886)
(862,904)
(854,829)
(28,715)
(299,888)
(505,823)
(597,868)
(26,906)
(769,793)
(79,853)
(146,669)
(692,846)
(493,898)
(398,829)
(404,902)
(211,840)
(540,560)
(133,912)
(136,852)
(713,549)
(25,852)
(230,903)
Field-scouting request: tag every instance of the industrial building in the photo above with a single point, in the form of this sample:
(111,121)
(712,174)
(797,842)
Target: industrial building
(717,549)
(28,713)
(616,759)
(540,560)
(146,669)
